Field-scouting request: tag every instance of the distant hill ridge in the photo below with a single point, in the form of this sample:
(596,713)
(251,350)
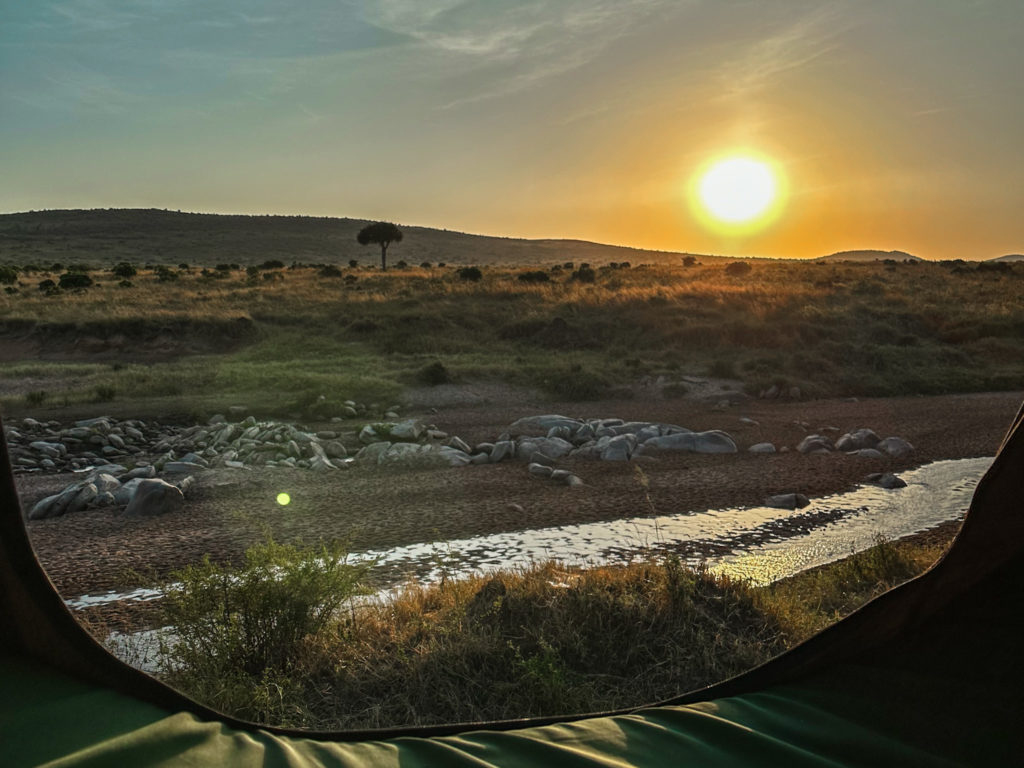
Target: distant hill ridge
(869,255)
(1009,257)
(106,236)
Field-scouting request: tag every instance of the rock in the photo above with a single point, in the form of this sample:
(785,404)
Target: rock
(459,444)
(326,434)
(155,497)
(104,500)
(373,452)
(408,430)
(867,453)
(50,450)
(540,425)
(541,458)
(321,464)
(334,449)
(857,440)
(713,441)
(453,456)
(368,435)
(573,481)
(390,415)
(795,393)
(480,458)
(502,449)
(815,444)
(749,422)
(619,448)
(193,458)
(896,447)
(787,501)
(124,494)
(539,470)
(886,480)
(234,464)
(350,411)
(513,507)
(771,393)
(104,483)
(560,475)
(761,448)
(185,484)
(555,447)
(238,411)
(217,418)
(86,494)
(42,509)
(145,471)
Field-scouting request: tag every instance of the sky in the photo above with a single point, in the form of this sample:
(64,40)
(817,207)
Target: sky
(895,124)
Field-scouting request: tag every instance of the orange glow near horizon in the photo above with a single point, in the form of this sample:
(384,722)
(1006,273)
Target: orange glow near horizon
(737,194)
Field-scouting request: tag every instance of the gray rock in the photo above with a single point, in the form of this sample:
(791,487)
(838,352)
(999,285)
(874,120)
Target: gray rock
(334,449)
(217,418)
(145,471)
(454,456)
(815,444)
(896,447)
(540,470)
(541,458)
(560,475)
(761,448)
(787,501)
(105,499)
(193,458)
(321,464)
(748,422)
(155,497)
(408,430)
(886,480)
(459,444)
(503,449)
(555,447)
(42,509)
(350,411)
(713,441)
(619,448)
(480,458)
(124,494)
(573,481)
(867,453)
(540,425)
(857,440)
(373,452)
(104,483)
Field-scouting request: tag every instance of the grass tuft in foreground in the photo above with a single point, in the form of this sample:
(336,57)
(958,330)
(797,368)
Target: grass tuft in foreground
(268,642)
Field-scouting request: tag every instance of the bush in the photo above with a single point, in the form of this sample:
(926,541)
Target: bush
(470,274)
(689,261)
(226,267)
(401,265)
(737,268)
(166,274)
(425,265)
(433,374)
(37,397)
(536,276)
(329,271)
(272,277)
(104,394)
(585,274)
(47,286)
(252,271)
(125,284)
(74,280)
(255,618)
(576,383)
(124,270)
(272,264)
(8,275)
(353,263)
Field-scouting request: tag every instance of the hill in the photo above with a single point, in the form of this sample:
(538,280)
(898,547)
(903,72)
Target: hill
(869,255)
(1009,257)
(106,236)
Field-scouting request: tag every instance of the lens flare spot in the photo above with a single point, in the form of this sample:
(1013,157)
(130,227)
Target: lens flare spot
(284,499)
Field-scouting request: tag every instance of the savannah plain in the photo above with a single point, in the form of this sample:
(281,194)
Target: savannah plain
(289,318)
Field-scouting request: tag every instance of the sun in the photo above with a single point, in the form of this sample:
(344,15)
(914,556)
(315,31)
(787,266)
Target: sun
(738,192)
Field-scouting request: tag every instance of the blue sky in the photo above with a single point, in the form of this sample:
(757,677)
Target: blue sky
(897,123)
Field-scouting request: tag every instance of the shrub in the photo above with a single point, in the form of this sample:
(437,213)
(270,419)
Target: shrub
(252,271)
(124,270)
(737,268)
(78,266)
(125,284)
(575,383)
(37,397)
(442,264)
(75,280)
(47,286)
(425,265)
(723,369)
(535,276)
(255,618)
(353,263)
(10,290)
(470,274)
(8,275)
(56,267)
(104,394)
(166,274)
(272,277)
(272,264)
(569,265)
(433,374)
(689,261)
(351,278)
(585,274)
(226,267)
(183,266)
(329,271)
(401,265)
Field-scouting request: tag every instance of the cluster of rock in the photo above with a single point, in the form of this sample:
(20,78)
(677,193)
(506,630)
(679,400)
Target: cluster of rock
(138,490)
(861,442)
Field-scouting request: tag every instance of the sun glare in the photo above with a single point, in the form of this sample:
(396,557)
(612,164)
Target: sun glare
(738,191)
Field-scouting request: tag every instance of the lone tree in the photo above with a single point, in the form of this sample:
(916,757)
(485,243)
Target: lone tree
(383,232)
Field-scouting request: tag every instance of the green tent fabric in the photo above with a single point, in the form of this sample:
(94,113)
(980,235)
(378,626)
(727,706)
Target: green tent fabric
(929,674)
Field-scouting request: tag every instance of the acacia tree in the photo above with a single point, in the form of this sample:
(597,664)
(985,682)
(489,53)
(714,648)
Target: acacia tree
(382,232)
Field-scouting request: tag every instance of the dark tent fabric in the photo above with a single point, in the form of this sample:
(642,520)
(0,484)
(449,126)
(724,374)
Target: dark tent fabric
(929,674)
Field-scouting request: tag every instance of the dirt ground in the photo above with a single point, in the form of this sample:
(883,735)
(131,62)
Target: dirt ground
(96,550)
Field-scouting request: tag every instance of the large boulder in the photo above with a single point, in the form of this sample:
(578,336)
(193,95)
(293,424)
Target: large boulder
(155,497)
(541,425)
(896,447)
(712,441)
(857,440)
(815,444)
(886,480)
(761,448)
(619,448)
(555,447)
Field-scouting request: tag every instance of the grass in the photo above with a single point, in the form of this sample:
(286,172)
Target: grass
(543,640)
(830,329)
